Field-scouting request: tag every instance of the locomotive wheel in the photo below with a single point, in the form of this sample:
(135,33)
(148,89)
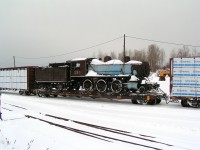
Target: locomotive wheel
(101,85)
(116,86)
(87,84)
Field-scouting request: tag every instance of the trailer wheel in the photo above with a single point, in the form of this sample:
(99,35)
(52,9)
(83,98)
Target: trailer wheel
(21,92)
(40,94)
(27,93)
(41,90)
(34,92)
(134,101)
(184,103)
(47,95)
(195,104)
(151,102)
(158,101)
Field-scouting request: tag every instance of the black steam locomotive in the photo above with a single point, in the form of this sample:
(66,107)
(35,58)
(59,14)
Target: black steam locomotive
(90,77)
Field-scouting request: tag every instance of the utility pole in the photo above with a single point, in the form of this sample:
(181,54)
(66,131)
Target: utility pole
(124,48)
(14,61)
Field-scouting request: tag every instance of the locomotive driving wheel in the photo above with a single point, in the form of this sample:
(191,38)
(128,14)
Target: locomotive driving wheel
(116,86)
(87,85)
(101,85)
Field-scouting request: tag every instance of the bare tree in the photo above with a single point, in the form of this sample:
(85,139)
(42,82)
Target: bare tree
(113,55)
(131,53)
(195,53)
(162,58)
(121,55)
(154,57)
(184,52)
(140,55)
(100,55)
(173,53)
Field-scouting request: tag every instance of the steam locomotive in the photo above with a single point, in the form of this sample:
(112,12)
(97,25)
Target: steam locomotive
(88,77)
(94,78)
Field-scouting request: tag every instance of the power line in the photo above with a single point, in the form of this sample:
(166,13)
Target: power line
(72,51)
(170,43)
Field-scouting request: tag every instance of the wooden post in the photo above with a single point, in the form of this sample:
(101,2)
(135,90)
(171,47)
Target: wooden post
(14,61)
(124,48)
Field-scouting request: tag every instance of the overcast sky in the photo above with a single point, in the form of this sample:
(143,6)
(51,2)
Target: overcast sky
(43,28)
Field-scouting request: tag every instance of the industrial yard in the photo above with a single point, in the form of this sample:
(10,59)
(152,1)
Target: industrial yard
(30,122)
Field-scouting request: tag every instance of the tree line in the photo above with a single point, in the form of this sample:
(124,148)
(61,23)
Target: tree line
(155,55)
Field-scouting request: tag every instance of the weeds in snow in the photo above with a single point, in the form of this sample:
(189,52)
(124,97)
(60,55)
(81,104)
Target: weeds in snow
(6,142)
(29,144)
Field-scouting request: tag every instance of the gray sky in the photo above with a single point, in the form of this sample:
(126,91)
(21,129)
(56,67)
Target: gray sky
(42,28)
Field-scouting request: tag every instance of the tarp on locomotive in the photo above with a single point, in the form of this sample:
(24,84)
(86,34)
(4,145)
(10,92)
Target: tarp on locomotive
(117,67)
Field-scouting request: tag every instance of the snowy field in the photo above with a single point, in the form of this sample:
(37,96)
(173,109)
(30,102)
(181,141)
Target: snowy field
(33,123)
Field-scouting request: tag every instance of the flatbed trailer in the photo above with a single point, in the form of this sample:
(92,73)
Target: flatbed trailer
(150,98)
(185,81)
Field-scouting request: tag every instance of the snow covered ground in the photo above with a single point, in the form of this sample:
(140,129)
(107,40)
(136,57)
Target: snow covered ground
(30,122)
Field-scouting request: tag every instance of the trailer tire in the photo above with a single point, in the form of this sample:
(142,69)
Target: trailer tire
(27,93)
(158,101)
(134,101)
(21,92)
(151,102)
(184,103)
(39,94)
(46,95)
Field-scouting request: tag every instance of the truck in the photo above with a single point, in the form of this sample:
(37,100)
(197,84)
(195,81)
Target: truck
(163,73)
(185,81)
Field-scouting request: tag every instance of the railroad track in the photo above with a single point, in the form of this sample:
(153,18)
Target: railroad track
(106,134)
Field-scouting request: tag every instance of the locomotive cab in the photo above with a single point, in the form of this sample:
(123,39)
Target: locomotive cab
(79,66)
